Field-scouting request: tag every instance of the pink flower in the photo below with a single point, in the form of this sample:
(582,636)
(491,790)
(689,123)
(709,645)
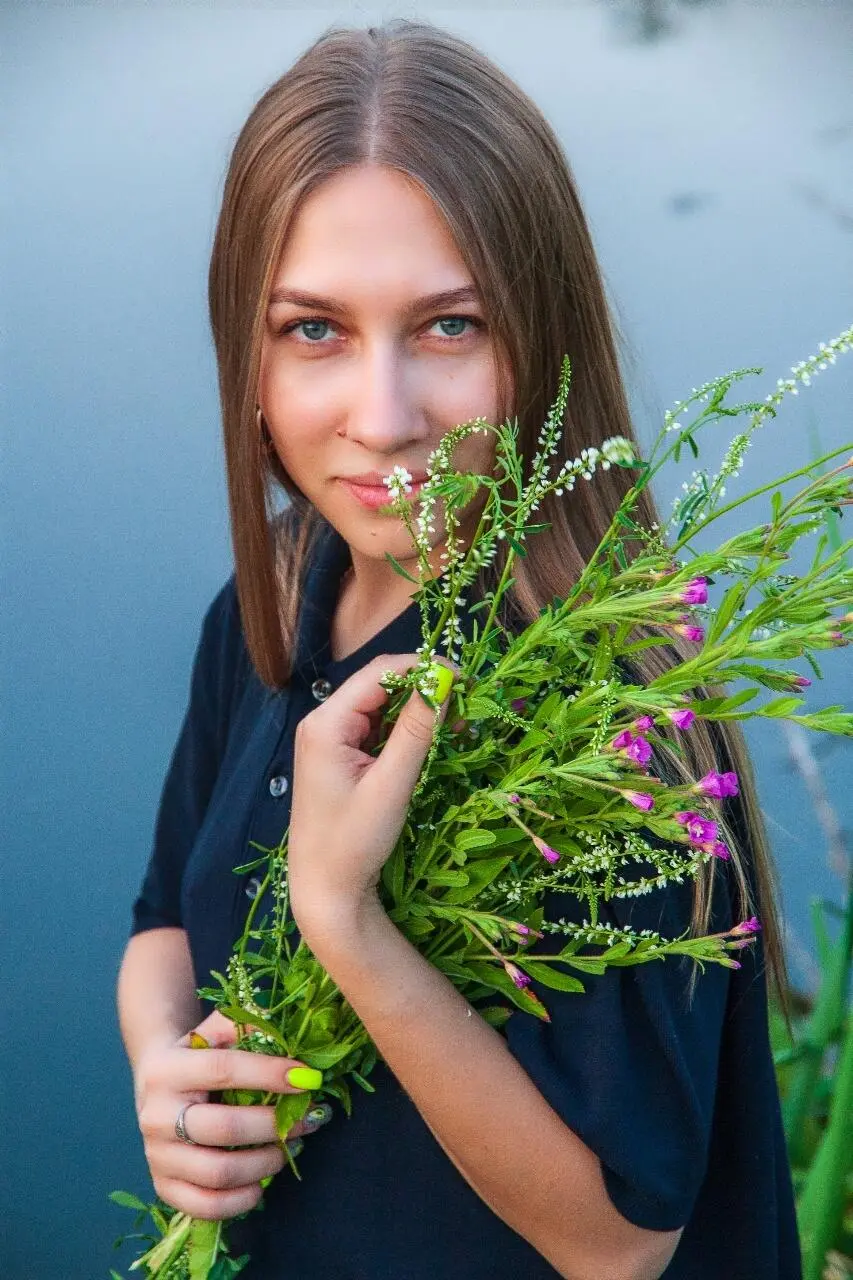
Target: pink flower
(514,798)
(718,784)
(623,739)
(641,799)
(644,723)
(520,979)
(639,750)
(800,682)
(720,850)
(696,592)
(549,854)
(682,719)
(751,925)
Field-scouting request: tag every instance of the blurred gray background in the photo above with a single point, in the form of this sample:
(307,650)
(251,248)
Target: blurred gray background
(713,147)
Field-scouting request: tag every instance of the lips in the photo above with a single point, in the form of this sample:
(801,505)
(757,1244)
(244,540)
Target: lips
(376,495)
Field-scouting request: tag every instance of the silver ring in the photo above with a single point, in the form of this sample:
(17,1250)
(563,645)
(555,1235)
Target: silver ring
(180,1126)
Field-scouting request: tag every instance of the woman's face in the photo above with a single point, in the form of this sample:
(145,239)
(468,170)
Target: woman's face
(364,366)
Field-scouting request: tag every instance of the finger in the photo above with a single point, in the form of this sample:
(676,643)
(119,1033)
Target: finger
(211,1124)
(313,1120)
(398,767)
(212,1070)
(216,1168)
(200,1202)
(352,711)
(217,1030)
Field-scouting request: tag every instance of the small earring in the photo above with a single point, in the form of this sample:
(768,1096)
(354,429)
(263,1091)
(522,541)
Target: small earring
(263,429)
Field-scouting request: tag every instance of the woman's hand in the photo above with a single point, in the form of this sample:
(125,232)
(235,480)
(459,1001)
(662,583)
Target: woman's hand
(349,807)
(207,1180)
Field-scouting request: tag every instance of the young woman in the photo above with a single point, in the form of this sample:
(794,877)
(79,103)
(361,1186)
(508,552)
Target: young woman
(401,248)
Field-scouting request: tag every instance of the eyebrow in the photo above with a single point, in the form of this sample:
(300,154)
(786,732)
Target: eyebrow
(447,298)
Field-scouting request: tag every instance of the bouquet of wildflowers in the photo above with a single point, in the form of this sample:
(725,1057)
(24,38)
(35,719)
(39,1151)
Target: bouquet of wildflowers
(542,774)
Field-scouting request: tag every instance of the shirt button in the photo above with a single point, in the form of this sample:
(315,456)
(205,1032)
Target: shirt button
(278,786)
(252,887)
(321,689)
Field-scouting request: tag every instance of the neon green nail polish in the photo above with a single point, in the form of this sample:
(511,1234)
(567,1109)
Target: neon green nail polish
(444,678)
(304,1077)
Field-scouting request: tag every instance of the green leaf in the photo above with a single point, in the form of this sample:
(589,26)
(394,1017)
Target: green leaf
(480,708)
(128,1201)
(480,874)
(780,706)
(478,838)
(551,977)
(448,879)
(289,1110)
(203,1247)
(729,605)
(394,874)
(322,1059)
(243,1017)
(398,568)
(495,1014)
(518,547)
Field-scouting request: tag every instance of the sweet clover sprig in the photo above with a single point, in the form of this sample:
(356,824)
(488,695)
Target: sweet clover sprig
(543,776)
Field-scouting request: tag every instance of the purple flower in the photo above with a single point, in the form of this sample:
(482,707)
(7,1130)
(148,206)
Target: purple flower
(622,740)
(526,934)
(644,723)
(520,979)
(751,925)
(518,705)
(514,797)
(682,719)
(800,682)
(689,631)
(700,829)
(720,850)
(641,799)
(718,784)
(639,750)
(549,854)
(696,592)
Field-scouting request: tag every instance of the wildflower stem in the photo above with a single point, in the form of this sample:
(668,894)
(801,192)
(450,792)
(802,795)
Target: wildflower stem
(765,488)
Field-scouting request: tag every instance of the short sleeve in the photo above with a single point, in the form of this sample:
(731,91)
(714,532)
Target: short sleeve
(194,764)
(629,1065)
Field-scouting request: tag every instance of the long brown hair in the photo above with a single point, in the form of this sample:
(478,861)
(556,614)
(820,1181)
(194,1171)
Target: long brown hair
(417,99)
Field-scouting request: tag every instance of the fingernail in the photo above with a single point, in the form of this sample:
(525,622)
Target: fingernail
(318,1115)
(294,1146)
(198,1042)
(304,1077)
(444,678)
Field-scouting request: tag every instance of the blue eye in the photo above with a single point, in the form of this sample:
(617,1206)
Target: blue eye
(458,321)
(308,325)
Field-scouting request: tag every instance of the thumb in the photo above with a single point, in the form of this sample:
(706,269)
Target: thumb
(404,751)
(216,1032)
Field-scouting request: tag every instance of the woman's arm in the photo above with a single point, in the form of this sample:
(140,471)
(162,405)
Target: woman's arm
(481,1106)
(157,1003)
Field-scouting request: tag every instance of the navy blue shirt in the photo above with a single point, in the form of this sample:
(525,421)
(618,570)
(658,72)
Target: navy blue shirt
(679,1103)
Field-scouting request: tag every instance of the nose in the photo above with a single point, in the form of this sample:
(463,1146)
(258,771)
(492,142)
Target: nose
(384,411)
